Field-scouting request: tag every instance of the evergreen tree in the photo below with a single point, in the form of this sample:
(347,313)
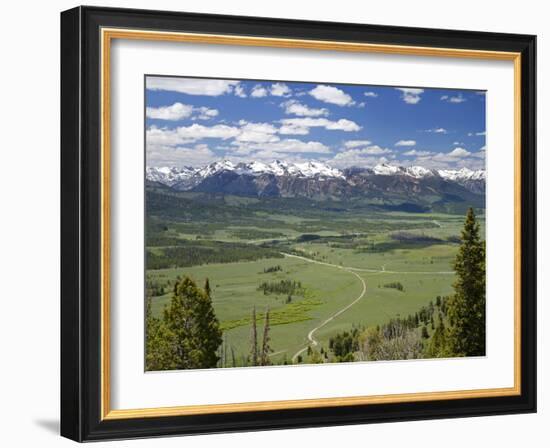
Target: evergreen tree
(191,319)
(159,343)
(253,359)
(425,334)
(266,348)
(233,361)
(438,346)
(466,309)
(207,289)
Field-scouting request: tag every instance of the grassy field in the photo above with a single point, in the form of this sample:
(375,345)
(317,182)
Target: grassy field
(415,249)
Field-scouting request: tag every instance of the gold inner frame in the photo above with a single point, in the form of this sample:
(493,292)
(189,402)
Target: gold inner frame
(107,35)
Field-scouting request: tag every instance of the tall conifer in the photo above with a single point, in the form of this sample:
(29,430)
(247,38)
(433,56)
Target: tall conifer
(467,306)
(266,348)
(253,359)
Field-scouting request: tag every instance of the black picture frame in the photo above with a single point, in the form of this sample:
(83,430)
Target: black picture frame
(81,224)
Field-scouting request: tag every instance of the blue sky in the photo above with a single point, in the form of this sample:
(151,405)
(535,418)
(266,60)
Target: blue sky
(195,121)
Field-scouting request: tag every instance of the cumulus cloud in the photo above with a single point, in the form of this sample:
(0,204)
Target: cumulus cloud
(239,91)
(188,134)
(204,113)
(277,89)
(300,126)
(176,111)
(198,131)
(416,152)
(280,89)
(179,111)
(371,94)
(405,143)
(191,86)
(258,132)
(198,155)
(356,143)
(332,95)
(356,157)
(456,159)
(258,91)
(459,152)
(375,150)
(453,99)
(410,95)
(281,147)
(293,107)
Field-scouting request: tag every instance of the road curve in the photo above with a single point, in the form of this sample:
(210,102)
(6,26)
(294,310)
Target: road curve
(310,337)
(351,270)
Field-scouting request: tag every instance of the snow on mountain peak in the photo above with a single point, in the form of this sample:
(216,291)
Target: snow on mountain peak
(311,169)
(385,169)
(419,172)
(463,174)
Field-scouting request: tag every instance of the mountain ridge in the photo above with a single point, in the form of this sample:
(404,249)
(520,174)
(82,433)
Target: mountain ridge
(388,185)
(172,175)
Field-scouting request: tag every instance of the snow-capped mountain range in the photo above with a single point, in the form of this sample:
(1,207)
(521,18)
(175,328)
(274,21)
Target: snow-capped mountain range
(171,176)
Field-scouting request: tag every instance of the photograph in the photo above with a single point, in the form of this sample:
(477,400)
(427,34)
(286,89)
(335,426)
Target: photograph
(272,222)
(295,223)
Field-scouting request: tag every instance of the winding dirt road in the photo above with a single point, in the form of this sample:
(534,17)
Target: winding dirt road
(311,339)
(351,270)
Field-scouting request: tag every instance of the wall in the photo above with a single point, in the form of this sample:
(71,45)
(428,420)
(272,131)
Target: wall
(29,236)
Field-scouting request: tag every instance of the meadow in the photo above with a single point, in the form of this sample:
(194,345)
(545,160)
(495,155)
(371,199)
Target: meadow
(333,250)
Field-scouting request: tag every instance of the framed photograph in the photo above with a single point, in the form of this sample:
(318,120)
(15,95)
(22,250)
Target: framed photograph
(276,224)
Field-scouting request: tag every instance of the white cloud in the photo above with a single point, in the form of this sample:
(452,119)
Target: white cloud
(453,99)
(280,89)
(479,155)
(481,133)
(198,131)
(294,107)
(356,157)
(405,143)
(410,95)
(459,152)
(179,111)
(164,137)
(198,155)
(356,143)
(204,113)
(282,147)
(258,132)
(375,150)
(437,131)
(176,111)
(416,152)
(258,91)
(371,94)
(456,159)
(188,134)
(332,95)
(300,126)
(239,91)
(190,86)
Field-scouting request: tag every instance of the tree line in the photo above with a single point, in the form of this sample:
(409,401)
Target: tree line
(288,287)
(194,253)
